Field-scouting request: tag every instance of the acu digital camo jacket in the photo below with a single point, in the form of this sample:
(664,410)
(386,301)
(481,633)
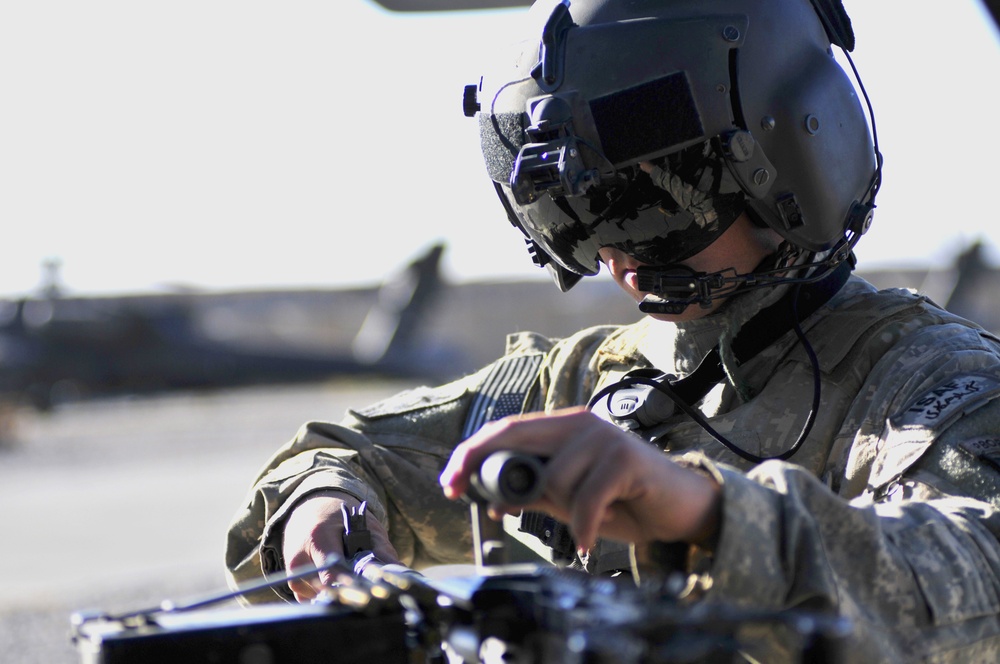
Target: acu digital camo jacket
(887,515)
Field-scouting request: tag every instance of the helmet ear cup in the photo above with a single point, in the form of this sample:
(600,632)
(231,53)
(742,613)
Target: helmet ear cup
(809,125)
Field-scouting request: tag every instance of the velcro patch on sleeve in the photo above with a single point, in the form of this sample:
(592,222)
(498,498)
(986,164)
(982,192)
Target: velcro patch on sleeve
(985,449)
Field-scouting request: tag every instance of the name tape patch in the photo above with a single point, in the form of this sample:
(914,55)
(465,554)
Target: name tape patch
(947,399)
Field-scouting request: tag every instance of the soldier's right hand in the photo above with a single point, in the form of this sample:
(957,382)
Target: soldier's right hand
(315,529)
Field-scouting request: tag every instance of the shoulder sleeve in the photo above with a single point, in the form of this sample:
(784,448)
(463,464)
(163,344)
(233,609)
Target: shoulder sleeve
(915,576)
(912,559)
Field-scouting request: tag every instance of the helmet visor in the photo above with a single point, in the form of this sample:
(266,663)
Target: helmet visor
(659,218)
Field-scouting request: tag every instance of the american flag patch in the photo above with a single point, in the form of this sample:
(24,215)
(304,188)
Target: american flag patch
(503,391)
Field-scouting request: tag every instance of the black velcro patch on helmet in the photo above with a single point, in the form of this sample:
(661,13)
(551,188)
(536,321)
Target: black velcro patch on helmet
(501,136)
(647,118)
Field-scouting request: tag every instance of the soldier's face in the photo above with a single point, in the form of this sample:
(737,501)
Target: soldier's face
(742,247)
(622,268)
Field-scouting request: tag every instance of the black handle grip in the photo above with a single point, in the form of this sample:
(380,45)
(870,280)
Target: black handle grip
(357,537)
(508,478)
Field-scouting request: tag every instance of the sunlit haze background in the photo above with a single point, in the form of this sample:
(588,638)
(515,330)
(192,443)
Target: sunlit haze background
(223,144)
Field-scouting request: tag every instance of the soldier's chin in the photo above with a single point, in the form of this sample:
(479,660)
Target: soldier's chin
(631,279)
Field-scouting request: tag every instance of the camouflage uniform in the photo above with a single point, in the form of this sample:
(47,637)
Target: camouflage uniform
(888,514)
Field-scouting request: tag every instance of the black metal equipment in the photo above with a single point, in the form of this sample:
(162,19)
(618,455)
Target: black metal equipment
(256,635)
(529,615)
(502,614)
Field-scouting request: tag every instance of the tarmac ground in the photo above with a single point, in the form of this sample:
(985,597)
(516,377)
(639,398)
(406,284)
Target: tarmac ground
(117,505)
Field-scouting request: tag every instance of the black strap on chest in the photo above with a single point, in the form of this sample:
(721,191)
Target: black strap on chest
(766,327)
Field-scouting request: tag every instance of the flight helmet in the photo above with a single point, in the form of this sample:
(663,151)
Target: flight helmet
(651,125)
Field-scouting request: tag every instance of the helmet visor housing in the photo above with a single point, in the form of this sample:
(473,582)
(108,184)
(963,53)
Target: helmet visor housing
(659,220)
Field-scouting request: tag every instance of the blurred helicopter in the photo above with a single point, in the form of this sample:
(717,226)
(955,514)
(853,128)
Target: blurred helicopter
(55,348)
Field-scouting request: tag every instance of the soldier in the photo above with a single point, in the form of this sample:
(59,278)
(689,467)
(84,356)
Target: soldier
(799,438)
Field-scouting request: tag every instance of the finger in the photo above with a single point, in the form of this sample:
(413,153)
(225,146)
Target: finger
(313,531)
(469,455)
(567,469)
(560,479)
(538,433)
(304,588)
(381,545)
(628,497)
(591,510)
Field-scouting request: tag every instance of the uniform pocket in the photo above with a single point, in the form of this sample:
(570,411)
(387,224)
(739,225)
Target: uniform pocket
(954,576)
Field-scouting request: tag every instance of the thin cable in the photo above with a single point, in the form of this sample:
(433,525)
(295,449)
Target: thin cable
(876,183)
(817,383)
(332,561)
(664,387)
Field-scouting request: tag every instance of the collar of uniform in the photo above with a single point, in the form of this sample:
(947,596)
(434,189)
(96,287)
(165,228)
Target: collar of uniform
(678,348)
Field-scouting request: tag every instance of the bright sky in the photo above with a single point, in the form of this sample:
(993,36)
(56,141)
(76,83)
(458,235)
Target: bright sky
(225,144)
